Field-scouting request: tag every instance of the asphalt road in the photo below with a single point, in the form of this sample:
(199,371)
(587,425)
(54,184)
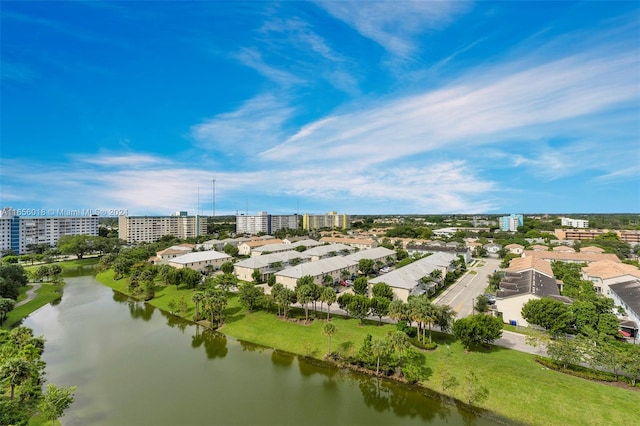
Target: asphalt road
(461,295)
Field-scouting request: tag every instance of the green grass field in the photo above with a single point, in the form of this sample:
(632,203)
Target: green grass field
(47,293)
(519,388)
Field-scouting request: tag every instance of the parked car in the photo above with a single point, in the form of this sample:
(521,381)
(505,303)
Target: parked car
(349,283)
(385,269)
(491,299)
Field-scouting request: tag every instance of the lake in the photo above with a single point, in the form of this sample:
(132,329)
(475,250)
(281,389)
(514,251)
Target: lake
(134,364)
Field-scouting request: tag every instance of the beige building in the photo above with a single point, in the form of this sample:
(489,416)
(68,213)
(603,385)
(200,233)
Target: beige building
(268,264)
(407,281)
(329,250)
(514,248)
(336,267)
(148,229)
(359,243)
(331,220)
(246,248)
(527,278)
(580,257)
(163,256)
(200,260)
(379,254)
(605,272)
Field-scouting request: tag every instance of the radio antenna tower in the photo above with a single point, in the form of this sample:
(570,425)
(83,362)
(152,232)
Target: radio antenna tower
(214,198)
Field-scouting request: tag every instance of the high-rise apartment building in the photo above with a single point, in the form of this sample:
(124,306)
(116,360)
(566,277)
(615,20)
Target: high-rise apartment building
(574,223)
(17,232)
(331,220)
(137,229)
(265,223)
(511,223)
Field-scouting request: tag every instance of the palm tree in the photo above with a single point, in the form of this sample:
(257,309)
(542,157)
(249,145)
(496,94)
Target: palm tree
(398,310)
(399,341)
(329,297)
(378,346)
(444,317)
(329,330)
(16,371)
(197,298)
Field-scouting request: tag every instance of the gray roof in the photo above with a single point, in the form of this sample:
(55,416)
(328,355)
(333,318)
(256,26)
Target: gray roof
(409,276)
(374,253)
(530,281)
(199,256)
(307,243)
(325,249)
(274,248)
(629,293)
(257,262)
(317,268)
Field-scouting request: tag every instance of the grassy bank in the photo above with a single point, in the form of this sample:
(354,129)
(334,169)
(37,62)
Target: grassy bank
(47,293)
(519,388)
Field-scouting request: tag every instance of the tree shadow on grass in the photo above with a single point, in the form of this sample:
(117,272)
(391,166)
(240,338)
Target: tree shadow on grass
(232,315)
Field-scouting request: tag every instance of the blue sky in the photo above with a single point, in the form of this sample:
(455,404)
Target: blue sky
(359,107)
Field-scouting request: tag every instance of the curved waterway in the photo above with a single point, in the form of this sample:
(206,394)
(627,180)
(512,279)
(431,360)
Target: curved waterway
(136,365)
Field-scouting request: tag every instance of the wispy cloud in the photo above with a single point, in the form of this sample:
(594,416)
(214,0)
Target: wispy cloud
(16,73)
(256,125)
(480,109)
(394,25)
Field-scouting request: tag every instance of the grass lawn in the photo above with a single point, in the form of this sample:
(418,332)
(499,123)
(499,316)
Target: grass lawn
(519,388)
(47,293)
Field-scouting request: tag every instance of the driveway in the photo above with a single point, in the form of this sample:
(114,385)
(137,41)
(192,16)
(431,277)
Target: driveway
(461,295)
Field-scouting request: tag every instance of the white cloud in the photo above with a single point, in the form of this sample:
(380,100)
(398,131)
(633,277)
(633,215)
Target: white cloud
(256,125)
(480,109)
(393,25)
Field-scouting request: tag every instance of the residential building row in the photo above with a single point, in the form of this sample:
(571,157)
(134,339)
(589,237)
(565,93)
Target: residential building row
(148,229)
(626,235)
(19,233)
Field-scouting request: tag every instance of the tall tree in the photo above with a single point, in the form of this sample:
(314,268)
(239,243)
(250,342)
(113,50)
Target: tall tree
(399,342)
(15,371)
(197,297)
(328,297)
(250,295)
(379,307)
(379,347)
(6,306)
(382,290)
(477,329)
(359,307)
(361,286)
(78,245)
(55,401)
(329,330)
(227,267)
(304,294)
(365,266)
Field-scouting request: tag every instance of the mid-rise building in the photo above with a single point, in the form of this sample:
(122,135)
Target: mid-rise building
(511,223)
(265,223)
(18,233)
(574,223)
(137,229)
(331,220)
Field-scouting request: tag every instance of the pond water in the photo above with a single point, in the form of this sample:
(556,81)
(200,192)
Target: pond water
(136,365)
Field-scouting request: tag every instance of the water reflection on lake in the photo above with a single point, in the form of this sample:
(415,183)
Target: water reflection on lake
(136,365)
